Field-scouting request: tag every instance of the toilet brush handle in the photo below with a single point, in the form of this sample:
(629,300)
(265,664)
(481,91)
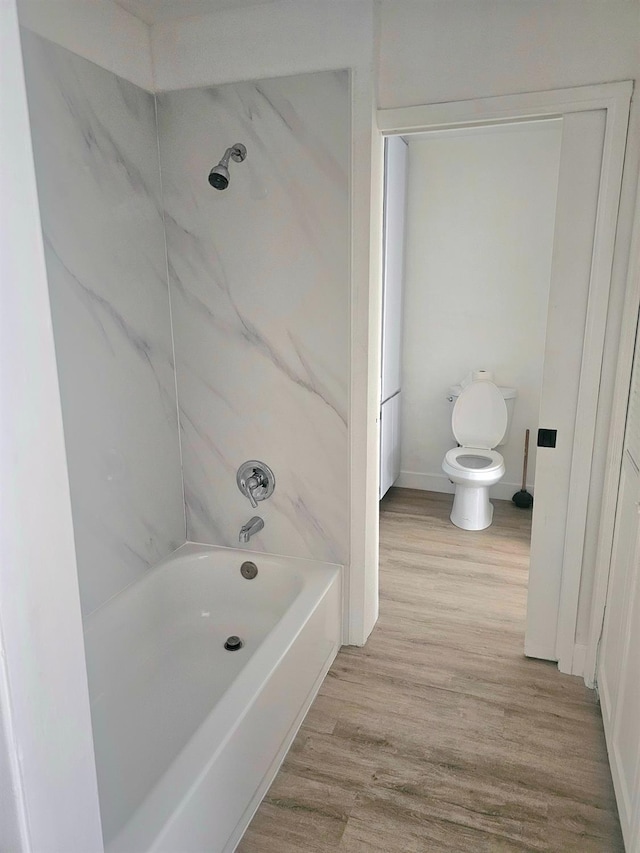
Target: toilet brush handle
(526,460)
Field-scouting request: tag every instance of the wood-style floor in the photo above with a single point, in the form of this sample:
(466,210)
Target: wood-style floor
(439,735)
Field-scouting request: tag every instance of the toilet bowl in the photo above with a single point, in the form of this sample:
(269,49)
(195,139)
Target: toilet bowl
(479,422)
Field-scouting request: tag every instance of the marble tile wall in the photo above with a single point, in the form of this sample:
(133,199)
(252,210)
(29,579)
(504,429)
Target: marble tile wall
(259,276)
(96,157)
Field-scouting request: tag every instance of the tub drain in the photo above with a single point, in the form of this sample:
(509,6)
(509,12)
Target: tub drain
(233,643)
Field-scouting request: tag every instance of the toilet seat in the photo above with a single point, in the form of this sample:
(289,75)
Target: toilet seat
(472,509)
(455,458)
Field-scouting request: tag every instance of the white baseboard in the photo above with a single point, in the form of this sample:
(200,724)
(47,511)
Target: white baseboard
(440,483)
(579,657)
(577,661)
(426,482)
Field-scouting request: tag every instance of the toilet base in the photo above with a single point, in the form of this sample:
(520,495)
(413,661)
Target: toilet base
(472,509)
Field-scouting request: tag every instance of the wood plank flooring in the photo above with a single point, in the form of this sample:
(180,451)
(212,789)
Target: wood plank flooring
(439,735)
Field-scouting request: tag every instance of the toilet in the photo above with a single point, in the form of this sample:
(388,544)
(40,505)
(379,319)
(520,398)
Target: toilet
(480,420)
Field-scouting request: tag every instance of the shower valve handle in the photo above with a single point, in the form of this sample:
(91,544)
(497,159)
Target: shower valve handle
(249,486)
(255,481)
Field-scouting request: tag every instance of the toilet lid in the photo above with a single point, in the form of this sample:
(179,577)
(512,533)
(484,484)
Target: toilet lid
(480,416)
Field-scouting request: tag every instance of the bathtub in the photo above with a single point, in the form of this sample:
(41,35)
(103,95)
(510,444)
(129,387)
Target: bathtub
(188,736)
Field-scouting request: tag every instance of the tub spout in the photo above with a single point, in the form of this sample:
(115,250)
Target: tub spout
(254,525)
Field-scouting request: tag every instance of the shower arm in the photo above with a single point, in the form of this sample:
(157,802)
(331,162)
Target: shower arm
(236,152)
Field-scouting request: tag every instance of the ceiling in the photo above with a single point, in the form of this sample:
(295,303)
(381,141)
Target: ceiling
(152,11)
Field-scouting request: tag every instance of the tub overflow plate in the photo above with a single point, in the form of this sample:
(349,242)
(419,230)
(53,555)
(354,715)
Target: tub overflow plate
(248,570)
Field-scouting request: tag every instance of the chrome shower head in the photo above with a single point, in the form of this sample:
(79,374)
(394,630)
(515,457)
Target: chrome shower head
(219,175)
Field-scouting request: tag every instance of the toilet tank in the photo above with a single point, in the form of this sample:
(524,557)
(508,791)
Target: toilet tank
(509,395)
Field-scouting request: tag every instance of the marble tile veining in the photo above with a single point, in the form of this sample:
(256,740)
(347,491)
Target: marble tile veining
(97,168)
(259,276)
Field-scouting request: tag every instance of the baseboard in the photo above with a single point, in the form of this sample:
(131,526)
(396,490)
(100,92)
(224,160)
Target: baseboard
(579,657)
(540,650)
(425,482)
(440,483)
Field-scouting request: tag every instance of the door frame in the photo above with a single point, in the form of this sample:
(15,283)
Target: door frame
(614,98)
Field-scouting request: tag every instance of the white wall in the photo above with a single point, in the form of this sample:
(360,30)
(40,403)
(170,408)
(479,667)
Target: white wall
(11,817)
(96,156)
(44,696)
(260,304)
(99,30)
(252,43)
(432,51)
(480,220)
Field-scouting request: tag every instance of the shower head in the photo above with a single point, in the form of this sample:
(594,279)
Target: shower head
(219,175)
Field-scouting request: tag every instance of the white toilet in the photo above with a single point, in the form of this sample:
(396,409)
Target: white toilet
(480,420)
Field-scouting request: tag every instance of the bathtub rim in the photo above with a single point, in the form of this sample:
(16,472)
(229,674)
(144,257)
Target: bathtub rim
(188,548)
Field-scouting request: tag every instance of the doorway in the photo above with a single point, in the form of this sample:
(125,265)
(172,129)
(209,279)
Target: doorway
(479,218)
(583,250)
(480,214)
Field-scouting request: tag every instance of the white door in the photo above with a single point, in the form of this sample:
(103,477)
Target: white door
(573,352)
(619,659)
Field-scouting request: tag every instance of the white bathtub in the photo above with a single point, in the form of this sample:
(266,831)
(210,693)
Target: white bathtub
(188,736)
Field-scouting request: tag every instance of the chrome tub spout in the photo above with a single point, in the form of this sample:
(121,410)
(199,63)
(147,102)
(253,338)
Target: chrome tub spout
(253,526)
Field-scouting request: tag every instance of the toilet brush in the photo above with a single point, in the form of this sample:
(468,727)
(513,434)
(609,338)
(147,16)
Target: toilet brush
(522,498)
